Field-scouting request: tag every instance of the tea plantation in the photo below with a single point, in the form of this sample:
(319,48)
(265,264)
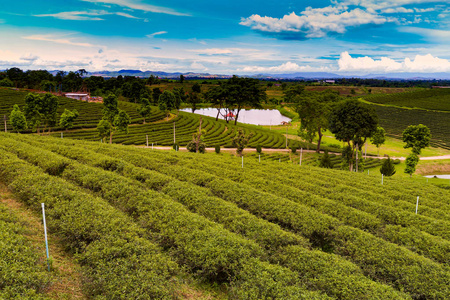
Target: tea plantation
(139,221)
(428,107)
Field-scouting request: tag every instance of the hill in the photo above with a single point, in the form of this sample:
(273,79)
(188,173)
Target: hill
(141,220)
(429,99)
(428,107)
(90,112)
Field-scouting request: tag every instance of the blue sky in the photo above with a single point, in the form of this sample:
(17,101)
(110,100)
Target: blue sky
(227,37)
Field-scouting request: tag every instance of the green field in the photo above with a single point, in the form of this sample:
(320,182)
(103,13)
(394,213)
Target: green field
(429,99)
(143,222)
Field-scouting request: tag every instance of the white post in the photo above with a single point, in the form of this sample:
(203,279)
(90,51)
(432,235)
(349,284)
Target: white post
(301,154)
(174,133)
(286,135)
(279,160)
(368,172)
(242,161)
(146,140)
(45,233)
(382,178)
(61,135)
(152,146)
(417,204)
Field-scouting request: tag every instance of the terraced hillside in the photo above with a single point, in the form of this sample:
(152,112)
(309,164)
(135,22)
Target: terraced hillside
(90,113)
(139,218)
(158,129)
(429,107)
(429,99)
(161,133)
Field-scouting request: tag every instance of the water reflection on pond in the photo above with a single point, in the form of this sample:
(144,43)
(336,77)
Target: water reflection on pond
(250,116)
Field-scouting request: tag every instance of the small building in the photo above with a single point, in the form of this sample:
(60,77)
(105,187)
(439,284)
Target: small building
(78,96)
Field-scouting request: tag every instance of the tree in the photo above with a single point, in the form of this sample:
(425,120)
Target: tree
(113,118)
(41,110)
(411,162)
(353,123)
(167,101)
(417,137)
(388,168)
(241,140)
(180,97)
(145,109)
(196,88)
(314,110)
(378,138)
(17,119)
(197,145)
(243,92)
(292,92)
(181,78)
(325,161)
(67,118)
(104,129)
(134,90)
(156,92)
(33,111)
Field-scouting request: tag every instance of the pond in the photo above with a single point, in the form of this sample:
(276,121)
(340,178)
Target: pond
(248,116)
(439,176)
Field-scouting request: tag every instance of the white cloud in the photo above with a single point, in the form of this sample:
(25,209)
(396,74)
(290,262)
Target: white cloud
(30,57)
(198,66)
(424,10)
(213,51)
(441,36)
(397,10)
(421,64)
(286,67)
(156,33)
(92,15)
(315,22)
(58,40)
(140,6)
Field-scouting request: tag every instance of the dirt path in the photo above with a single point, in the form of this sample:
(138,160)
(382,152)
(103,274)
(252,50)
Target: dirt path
(66,278)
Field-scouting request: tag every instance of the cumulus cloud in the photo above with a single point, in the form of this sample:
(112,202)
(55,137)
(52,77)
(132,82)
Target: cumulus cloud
(315,22)
(421,63)
(286,67)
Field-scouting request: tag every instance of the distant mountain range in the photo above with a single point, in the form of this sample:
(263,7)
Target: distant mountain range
(268,76)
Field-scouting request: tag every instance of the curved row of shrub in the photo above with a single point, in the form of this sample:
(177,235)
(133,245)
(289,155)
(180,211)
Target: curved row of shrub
(379,259)
(412,238)
(22,271)
(344,192)
(109,246)
(353,282)
(202,246)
